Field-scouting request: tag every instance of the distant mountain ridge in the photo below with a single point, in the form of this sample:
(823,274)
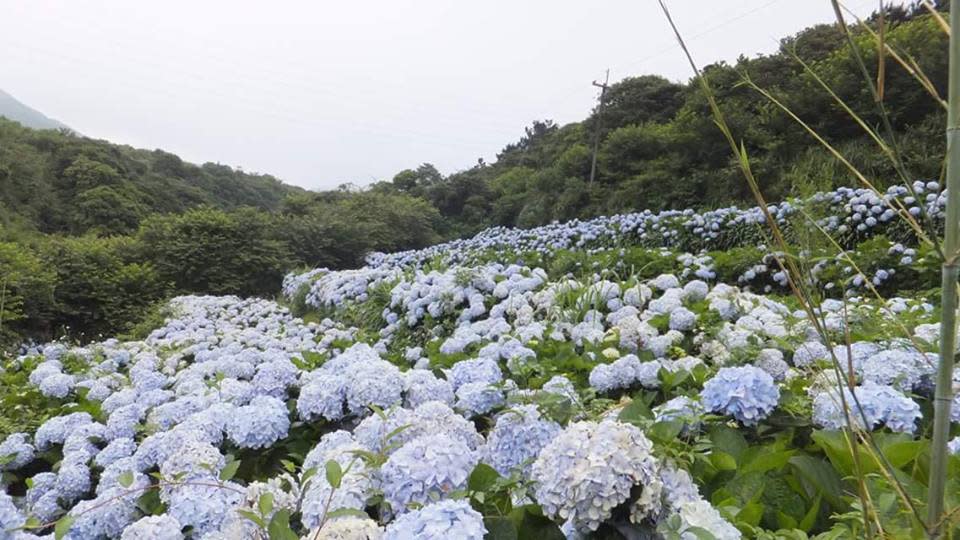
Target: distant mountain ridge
(13,109)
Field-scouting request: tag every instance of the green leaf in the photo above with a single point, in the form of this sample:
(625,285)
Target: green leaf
(700,533)
(265,504)
(150,504)
(768,461)
(125,479)
(500,528)
(531,523)
(723,461)
(342,512)
(822,477)
(665,432)
(729,440)
(279,527)
(810,519)
(62,527)
(786,521)
(635,413)
(290,466)
(483,478)
(750,514)
(252,516)
(334,473)
(229,470)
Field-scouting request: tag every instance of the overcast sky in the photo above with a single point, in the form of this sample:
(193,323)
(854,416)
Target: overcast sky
(319,93)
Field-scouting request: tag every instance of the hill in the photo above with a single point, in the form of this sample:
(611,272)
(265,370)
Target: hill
(12,109)
(61,182)
(659,147)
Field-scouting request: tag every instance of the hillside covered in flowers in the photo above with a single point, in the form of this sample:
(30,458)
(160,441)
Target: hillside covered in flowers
(641,375)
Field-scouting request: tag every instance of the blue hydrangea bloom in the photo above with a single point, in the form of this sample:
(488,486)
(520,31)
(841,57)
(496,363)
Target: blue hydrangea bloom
(683,409)
(258,425)
(57,429)
(879,404)
(57,385)
(10,517)
(478,398)
(590,468)
(17,451)
(425,469)
(421,386)
(483,370)
(517,438)
(203,508)
(322,397)
(116,449)
(441,520)
(746,393)
(162,527)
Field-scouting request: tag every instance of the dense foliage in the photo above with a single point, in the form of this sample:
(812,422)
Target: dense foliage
(586,379)
(213,229)
(659,147)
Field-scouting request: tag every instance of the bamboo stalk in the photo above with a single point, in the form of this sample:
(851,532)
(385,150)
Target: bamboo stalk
(951,266)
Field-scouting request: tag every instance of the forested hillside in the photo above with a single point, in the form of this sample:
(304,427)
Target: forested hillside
(659,147)
(92,234)
(60,182)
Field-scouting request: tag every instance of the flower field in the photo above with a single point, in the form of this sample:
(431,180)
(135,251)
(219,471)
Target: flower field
(634,376)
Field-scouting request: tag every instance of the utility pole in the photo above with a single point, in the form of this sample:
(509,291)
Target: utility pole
(599,123)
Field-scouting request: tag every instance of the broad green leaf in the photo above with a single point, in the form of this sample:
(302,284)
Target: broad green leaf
(531,523)
(500,528)
(810,519)
(62,527)
(252,516)
(767,461)
(635,413)
(822,477)
(279,527)
(343,512)
(482,478)
(265,504)
(334,473)
(665,432)
(729,440)
(125,479)
(723,461)
(229,470)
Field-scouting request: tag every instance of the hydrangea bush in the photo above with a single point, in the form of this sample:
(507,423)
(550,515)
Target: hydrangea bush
(444,394)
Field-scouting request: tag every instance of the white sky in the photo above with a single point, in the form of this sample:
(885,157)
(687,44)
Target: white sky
(319,93)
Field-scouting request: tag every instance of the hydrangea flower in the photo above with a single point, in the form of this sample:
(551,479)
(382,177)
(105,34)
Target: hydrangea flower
(478,398)
(258,425)
(347,528)
(438,521)
(421,386)
(591,468)
(355,488)
(425,469)
(10,517)
(483,370)
(322,397)
(57,385)
(682,409)
(747,393)
(162,527)
(516,438)
(15,452)
(878,404)
(701,514)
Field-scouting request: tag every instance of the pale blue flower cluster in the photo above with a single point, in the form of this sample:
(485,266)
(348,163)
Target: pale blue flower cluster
(591,468)
(746,393)
(875,405)
(426,469)
(441,520)
(516,439)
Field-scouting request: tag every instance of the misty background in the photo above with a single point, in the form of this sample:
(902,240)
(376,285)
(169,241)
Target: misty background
(320,94)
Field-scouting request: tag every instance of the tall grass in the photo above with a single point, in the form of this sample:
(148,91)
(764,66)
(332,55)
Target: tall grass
(860,441)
